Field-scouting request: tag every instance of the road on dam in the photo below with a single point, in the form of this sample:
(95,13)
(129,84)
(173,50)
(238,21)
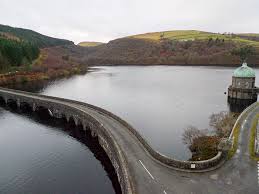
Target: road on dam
(238,175)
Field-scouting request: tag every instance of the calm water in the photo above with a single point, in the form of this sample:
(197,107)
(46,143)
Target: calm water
(38,157)
(159,101)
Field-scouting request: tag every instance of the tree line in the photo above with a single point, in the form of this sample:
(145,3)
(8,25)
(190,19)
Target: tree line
(36,38)
(16,53)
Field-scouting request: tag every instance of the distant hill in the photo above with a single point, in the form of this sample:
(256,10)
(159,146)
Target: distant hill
(90,44)
(26,55)
(20,47)
(33,37)
(192,35)
(180,47)
(177,35)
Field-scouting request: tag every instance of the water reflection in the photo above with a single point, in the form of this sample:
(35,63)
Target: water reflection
(159,101)
(37,156)
(34,86)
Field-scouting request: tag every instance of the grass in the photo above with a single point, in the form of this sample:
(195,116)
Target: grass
(90,44)
(177,35)
(185,35)
(252,139)
(40,59)
(236,133)
(250,34)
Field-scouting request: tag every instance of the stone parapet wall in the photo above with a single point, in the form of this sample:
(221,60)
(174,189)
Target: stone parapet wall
(171,162)
(105,138)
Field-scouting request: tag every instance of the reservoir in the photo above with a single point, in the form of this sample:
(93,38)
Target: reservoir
(41,156)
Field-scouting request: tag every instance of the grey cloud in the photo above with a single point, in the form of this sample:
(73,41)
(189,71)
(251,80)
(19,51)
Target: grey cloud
(102,20)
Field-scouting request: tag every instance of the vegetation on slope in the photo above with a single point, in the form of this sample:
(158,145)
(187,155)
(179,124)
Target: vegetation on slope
(26,55)
(52,63)
(244,52)
(32,37)
(19,47)
(192,35)
(173,48)
(204,144)
(16,53)
(175,35)
(89,44)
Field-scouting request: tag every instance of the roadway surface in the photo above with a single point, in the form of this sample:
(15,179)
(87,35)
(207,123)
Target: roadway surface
(237,176)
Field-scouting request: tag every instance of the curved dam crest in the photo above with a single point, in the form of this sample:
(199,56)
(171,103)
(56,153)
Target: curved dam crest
(126,148)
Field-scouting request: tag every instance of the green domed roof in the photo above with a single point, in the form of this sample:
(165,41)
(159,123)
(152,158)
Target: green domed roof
(244,71)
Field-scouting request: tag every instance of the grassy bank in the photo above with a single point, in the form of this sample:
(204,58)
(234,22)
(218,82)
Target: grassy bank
(236,132)
(90,44)
(190,35)
(252,139)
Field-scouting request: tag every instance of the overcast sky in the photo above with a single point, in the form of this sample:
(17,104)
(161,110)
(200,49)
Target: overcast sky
(103,20)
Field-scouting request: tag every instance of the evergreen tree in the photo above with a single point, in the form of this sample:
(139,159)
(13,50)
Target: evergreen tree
(17,52)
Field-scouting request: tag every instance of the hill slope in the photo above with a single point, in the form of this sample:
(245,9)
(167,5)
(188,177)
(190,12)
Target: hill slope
(180,47)
(26,55)
(33,37)
(89,44)
(20,47)
(191,35)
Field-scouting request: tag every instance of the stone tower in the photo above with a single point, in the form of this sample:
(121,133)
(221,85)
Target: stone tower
(243,90)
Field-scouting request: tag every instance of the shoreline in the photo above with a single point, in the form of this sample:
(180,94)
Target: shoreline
(19,77)
(176,65)
(16,77)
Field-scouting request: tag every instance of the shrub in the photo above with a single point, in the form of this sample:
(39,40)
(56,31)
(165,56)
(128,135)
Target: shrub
(204,147)
(66,57)
(244,52)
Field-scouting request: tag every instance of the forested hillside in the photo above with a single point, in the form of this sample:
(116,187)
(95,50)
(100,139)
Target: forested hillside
(26,55)
(33,37)
(19,47)
(16,53)
(181,47)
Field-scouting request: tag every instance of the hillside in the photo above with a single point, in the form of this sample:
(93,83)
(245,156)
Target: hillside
(191,35)
(19,47)
(89,44)
(181,47)
(16,53)
(33,37)
(26,55)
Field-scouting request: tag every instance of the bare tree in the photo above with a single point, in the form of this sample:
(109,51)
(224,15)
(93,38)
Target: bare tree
(216,119)
(190,134)
(222,122)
